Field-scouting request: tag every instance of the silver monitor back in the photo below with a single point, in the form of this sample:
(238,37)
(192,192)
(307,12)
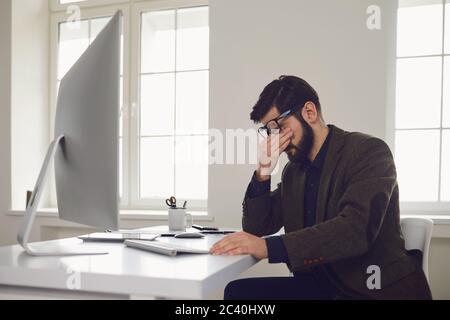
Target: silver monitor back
(87,114)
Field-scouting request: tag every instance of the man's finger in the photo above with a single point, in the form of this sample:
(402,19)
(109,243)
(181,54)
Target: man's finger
(281,142)
(238,240)
(284,138)
(225,241)
(219,244)
(229,246)
(236,252)
(284,146)
(274,141)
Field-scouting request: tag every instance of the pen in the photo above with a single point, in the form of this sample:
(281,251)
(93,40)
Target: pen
(201,228)
(216,232)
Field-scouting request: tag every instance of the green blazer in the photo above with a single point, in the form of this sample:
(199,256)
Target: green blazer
(357,219)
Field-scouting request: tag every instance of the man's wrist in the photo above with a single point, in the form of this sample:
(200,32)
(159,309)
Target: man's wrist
(260,177)
(276,250)
(257,188)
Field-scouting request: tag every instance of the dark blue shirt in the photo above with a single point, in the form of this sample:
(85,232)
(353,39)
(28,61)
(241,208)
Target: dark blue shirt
(276,249)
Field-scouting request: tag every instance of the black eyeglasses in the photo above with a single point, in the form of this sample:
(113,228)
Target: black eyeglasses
(273,126)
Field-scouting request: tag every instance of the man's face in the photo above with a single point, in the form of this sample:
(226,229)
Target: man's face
(302,138)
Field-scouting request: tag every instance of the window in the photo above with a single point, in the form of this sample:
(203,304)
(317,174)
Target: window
(422,122)
(173,128)
(164,92)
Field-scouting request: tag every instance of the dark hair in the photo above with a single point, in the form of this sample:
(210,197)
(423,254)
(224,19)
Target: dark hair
(285,93)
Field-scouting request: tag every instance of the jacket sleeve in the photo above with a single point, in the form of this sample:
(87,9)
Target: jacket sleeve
(262,214)
(371,179)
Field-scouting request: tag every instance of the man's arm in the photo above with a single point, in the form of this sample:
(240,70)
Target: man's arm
(372,179)
(262,216)
(262,208)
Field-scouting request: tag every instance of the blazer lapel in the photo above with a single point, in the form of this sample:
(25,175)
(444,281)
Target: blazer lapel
(331,161)
(298,202)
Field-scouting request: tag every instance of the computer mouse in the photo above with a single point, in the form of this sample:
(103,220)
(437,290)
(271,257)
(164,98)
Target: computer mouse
(189,235)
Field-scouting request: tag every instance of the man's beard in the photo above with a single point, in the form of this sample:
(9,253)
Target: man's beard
(299,153)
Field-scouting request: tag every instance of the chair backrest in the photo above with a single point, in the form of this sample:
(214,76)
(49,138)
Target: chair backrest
(417,233)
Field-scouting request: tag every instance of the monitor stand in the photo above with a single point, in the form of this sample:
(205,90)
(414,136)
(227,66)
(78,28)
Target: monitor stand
(47,249)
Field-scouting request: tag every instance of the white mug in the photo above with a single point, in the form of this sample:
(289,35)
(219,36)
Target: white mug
(179,219)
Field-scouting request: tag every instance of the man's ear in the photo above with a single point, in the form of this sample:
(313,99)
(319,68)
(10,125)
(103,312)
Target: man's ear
(309,112)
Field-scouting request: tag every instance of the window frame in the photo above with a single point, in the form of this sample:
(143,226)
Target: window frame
(423,207)
(56,6)
(132,10)
(138,9)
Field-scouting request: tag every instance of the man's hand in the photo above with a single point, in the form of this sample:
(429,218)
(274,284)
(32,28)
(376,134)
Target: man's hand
(269,152)
(241,243)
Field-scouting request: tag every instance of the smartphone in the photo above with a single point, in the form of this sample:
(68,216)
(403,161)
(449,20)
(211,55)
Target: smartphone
(202,228)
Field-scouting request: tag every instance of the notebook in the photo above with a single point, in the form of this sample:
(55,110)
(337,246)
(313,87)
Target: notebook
(118,237)
(168,249)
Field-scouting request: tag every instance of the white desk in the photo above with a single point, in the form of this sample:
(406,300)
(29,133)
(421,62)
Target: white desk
(124,273)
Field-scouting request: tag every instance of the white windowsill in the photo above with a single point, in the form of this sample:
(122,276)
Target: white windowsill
(441,221)
(146,215)
(438,219)
(126,214)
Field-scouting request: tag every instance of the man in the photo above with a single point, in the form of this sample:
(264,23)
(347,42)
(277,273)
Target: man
(338,202)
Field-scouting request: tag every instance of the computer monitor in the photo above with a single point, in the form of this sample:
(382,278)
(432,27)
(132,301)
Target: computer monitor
(86,145)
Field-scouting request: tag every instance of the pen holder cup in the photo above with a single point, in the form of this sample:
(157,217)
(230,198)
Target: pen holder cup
(179,219)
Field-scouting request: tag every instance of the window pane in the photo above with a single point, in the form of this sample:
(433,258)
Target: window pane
(417,159)
(445,174)
(157,104)
(97,25)
(447,27)
(193,39)
(192,167)
(58,83)
(156,168)
(70,1)
(419,28)
(192,102)
(158,41)
(121,108)
(73,41)
(446,111)
(418,92)
(121,167)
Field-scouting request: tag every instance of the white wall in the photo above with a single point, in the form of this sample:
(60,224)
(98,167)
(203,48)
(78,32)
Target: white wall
(252,42)
(5,116)
(24,104)
(325,42)
(439,267)
(30,79)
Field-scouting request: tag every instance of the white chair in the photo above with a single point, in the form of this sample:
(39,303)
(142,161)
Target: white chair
(417,234)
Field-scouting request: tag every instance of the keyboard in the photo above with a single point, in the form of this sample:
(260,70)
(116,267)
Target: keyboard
(118,237)
(165,248)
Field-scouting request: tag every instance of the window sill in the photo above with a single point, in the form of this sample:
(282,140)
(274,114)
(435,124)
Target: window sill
(127,214)
(438,219)
(441,221)
(145,215)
